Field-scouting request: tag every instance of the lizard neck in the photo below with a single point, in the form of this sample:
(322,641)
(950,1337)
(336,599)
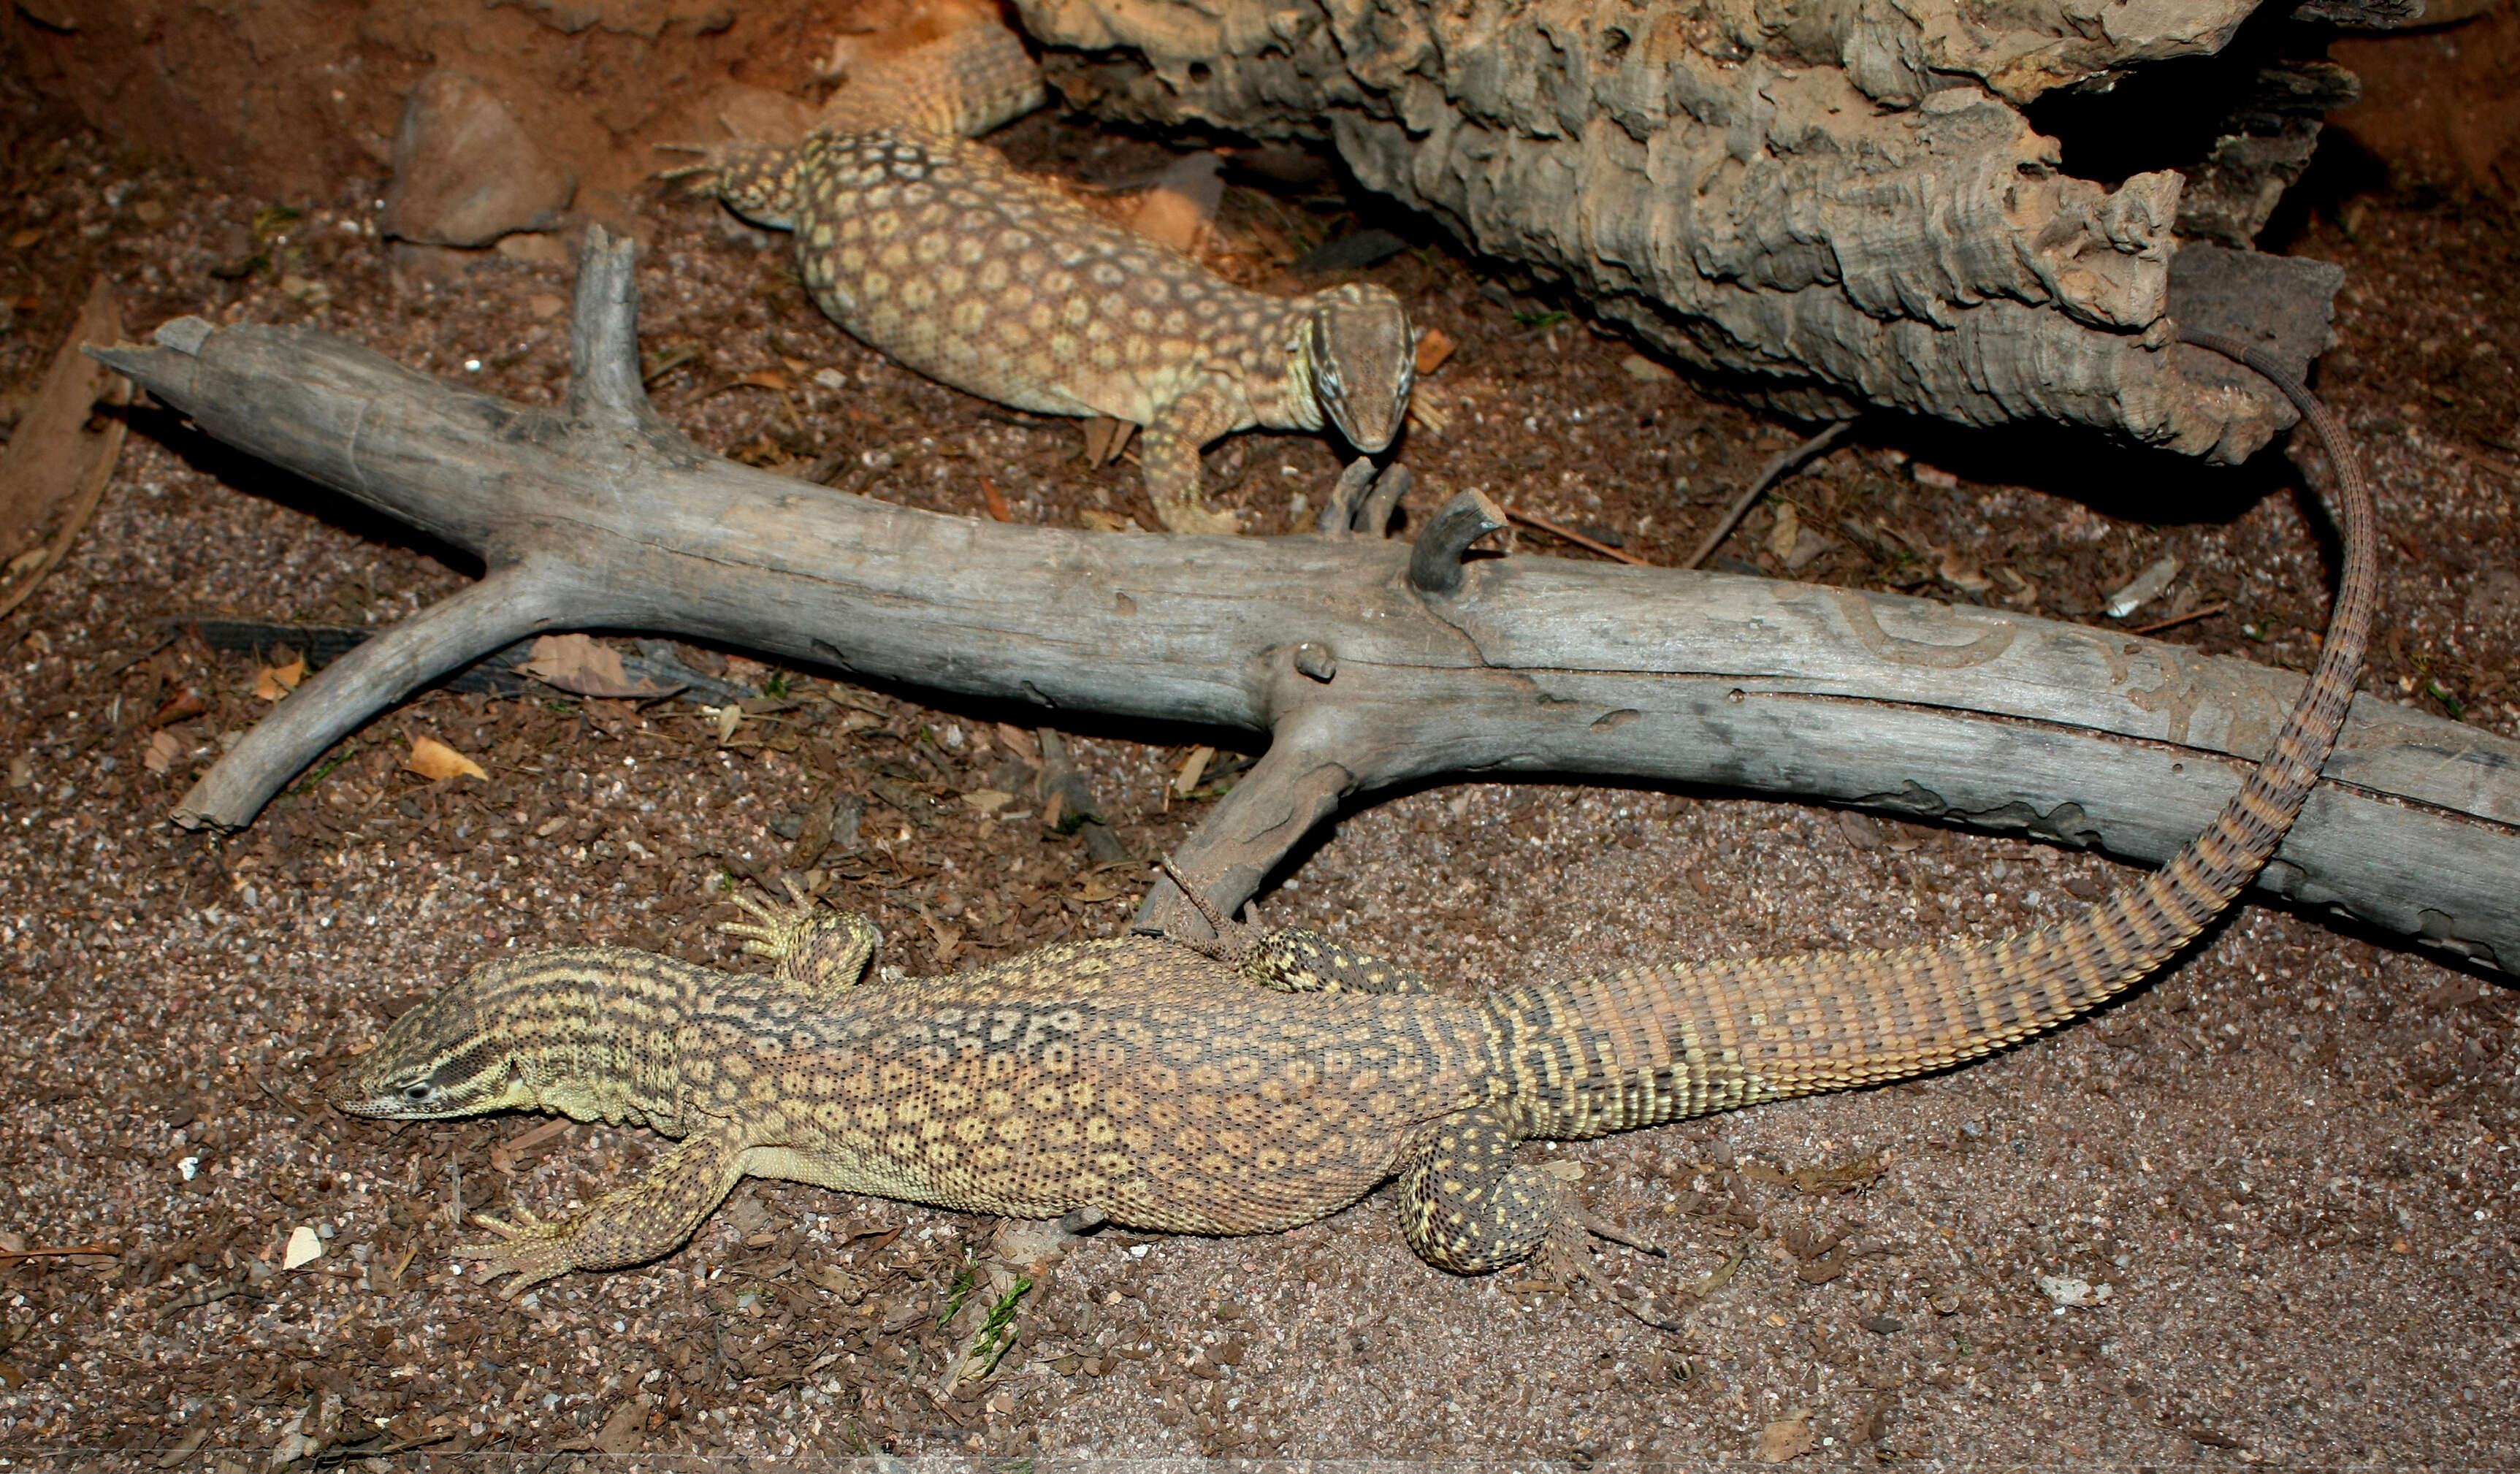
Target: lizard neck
(604,1044)
(1279,386)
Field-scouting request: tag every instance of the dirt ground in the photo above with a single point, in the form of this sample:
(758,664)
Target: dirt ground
(2283,1171)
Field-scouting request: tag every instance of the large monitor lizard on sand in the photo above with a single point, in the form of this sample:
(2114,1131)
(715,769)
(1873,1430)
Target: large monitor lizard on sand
(1239,1085)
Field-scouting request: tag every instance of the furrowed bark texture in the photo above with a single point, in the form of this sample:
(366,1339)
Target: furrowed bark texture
(1367,667)
(1822,205)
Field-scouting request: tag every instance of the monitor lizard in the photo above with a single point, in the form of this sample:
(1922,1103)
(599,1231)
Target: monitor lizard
(936,250)
(1239,1083)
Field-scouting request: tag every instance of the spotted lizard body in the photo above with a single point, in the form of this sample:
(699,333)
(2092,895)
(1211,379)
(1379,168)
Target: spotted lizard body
(933,248)
(1229,1085)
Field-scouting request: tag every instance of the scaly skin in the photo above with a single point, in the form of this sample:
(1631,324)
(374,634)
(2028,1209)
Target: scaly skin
(934,249)
(1240,1085)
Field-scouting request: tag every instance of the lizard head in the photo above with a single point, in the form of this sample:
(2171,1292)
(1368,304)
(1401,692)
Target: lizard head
(1364,362)
(515,1034)
(445,1057)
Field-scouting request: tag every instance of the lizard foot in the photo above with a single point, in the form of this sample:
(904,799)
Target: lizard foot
(756,180)
(807,945)
(706,165)
(777,930)
(1564,1254)
(1575,1213)
(1191,518)
(529,1249)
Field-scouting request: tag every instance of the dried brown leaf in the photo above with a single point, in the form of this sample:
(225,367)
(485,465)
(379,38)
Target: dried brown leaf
(1434,347)
(625,1431)
(1789,1437)
(996,501)
(1645,369)
(1787,532)
(1182,202)
(1842,1177)
(1104,439)
(1192,768)
(584,666)
(433,760)
(273,682)
(183,706)
(1825,1268)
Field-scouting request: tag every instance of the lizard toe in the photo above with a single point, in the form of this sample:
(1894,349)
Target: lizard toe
(1200,520)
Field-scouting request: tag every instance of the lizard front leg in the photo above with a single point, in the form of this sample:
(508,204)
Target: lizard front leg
(627,1225)
(1168,452)
(816,950)
(757,180)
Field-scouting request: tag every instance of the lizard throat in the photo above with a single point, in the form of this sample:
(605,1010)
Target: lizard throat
(1299,403)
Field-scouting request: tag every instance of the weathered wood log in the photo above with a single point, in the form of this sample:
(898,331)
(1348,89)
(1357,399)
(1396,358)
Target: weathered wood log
(1368,666)
(1819,207)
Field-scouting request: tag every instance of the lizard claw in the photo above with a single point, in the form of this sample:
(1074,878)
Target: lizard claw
(777,930)
(1198,520)
(529,1249)
(1563,1252)
(754,179)
(526,1224)
(1600,1230)
(708,164)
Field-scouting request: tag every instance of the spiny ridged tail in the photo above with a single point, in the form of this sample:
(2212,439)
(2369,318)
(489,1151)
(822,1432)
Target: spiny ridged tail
(1652,1044)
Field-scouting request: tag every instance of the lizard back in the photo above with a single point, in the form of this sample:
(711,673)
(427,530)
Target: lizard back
(939,253)
(1130,1075)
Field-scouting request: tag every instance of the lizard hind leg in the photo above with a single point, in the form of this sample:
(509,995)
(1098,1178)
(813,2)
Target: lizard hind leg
(1289,959)
(1465,1205)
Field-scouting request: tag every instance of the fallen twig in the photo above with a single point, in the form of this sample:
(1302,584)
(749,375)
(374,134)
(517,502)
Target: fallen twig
(1535,519)
(108,1251)
(2199,613)
(1780,466)
(210,1294)
(53,471)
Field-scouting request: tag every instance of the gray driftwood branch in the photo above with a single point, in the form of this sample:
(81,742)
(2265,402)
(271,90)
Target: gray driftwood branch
(1367,661)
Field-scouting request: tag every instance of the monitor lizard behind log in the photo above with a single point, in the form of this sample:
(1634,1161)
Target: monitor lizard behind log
(1240,1087)
(934,249)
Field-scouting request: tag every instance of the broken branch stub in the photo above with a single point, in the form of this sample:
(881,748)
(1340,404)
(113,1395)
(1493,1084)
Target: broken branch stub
(606,517)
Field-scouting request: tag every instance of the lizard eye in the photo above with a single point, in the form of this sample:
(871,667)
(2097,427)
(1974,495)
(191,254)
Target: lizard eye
(419,1092)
